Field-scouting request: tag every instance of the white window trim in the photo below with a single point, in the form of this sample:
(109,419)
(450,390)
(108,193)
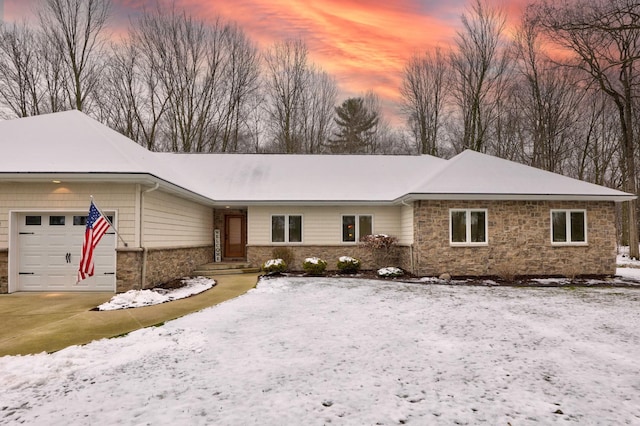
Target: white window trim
(468,243)
(358,236)
(567,213)
(286,229)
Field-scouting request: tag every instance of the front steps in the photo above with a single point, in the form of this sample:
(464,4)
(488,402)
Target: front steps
(210,270)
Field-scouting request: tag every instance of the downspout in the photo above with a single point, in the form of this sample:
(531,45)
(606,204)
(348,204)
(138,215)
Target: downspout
(413,237)
(143,273)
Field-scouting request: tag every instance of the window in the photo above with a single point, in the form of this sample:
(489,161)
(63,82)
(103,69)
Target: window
(33,220)
(354,227)
(56,220)
(286,228)
(568,226)
(468,226)
(82,220)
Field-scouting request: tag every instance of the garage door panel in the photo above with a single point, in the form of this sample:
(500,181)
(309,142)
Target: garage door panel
(49,256)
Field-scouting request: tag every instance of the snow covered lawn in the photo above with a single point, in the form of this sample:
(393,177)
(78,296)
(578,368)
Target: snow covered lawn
(319,351)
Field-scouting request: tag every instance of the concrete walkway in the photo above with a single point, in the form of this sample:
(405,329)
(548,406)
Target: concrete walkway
(35,322)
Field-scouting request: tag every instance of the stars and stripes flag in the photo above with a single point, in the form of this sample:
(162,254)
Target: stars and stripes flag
(97,225)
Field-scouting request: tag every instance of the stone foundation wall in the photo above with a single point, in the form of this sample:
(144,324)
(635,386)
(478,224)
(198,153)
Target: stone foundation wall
(166,264)
(162,265)
(4,271)
(519,240)
(128,269)
(257,255)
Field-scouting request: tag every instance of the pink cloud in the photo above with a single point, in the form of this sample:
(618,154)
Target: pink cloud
(363,43)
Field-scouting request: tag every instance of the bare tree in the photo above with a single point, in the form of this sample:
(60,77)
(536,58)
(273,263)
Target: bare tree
(604,35)
(32,74)
(183,84)
(285,84)
(479,65)
(423,89)
(241,72)
(75,29)
(318,101)
(548,99)
(20,70)
(132,100)
(599,148)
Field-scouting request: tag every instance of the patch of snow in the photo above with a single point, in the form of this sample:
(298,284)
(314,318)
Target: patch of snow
(313,260)
(390,271)
(352,351)
(348,259)
(629,273)
(273,262)
(139,298)
(552,281)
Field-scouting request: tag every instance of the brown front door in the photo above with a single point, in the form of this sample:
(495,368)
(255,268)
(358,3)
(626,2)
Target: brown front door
(234,237)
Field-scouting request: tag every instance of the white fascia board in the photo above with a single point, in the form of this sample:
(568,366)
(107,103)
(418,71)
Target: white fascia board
(101,177)
(517,197)
(244,203)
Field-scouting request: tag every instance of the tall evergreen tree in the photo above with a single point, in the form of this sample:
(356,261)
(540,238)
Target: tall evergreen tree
(356,124)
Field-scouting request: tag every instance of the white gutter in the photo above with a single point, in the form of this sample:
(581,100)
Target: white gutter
(622,196)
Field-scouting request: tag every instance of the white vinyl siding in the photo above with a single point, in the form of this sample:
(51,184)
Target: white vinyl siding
(405,236)
(172,221)
(322,225)
(50,197)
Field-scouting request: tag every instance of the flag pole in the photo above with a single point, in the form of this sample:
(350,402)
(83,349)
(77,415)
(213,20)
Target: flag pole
(109,222)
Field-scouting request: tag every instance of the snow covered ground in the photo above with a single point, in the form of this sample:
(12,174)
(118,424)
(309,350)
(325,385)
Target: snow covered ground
(139,298)
(320,351)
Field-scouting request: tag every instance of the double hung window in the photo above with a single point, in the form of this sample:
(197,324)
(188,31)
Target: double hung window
(468,226)
(568,227)
(286,228)
(355,227)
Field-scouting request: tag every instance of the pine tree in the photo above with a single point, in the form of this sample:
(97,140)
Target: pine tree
(356,125)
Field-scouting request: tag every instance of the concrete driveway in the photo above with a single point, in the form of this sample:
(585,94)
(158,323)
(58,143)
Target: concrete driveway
(47,322)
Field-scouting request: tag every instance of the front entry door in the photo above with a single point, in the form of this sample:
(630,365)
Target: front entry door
(234,238)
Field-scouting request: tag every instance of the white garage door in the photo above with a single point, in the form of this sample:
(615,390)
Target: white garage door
(49,251)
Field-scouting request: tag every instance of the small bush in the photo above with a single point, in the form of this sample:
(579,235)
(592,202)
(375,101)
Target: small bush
(284,253)
(378,241)
(274,266)
(390,272)
(348,265)
(382,247)
(314,265)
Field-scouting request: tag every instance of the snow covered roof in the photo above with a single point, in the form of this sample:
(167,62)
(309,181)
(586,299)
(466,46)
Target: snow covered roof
(285,178)
(72,144)
(472,175)
(69,142)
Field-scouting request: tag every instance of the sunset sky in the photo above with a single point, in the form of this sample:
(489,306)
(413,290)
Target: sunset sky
(362,43)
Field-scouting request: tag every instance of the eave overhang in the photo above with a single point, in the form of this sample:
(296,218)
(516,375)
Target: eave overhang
(517,197)
(102,177)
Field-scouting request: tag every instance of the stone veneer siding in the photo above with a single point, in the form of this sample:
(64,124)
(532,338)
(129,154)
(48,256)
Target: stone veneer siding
(163,264)
(257,255)
(519,240)
(4,271)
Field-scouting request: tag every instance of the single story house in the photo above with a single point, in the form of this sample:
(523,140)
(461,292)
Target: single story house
(471,215)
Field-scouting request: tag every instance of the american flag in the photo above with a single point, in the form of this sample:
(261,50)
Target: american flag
(97,225)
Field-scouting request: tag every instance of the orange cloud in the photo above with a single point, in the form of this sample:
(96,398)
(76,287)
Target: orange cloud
(363,43)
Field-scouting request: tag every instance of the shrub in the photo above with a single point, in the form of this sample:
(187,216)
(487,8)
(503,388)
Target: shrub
(348,265)
(390,272)
(284,253)
(274,266)
(382,247)
(314,265)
